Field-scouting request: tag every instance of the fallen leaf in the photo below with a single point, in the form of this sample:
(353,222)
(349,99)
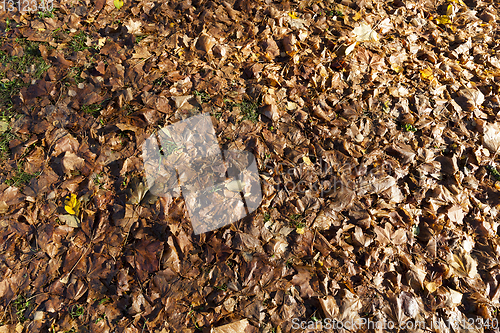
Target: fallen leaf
(72,162)
(443,19)
(350,48)
(463,264)
(235,185)
(138,191)
(72,204)
(241,326)
(134,26)
(491,137)
(426,74)
(118,3)
(4,126)
(70,220)
(365,33)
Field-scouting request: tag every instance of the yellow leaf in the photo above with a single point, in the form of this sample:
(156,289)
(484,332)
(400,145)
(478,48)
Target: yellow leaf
(426,74)
(357,16)
(443,19)
(307,160)
(4,126)
(72,204)
(293,15)
(396,68)
(300,231)
(101,42)
(118,3)
(431,286)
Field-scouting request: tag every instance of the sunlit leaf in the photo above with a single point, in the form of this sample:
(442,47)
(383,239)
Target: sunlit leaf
(365,33)
(4,126)
(306,160)
(450,10)
(118,3)
(72,204)
(350,48)
(443,19)
(101,42)
(463,264)
(426,74)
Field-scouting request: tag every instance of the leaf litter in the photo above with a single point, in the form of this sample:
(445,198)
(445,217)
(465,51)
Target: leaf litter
(375,126)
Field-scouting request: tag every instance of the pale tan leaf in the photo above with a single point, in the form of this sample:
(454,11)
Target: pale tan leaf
(236,327)
(235,185)
(365,33)
(4,126)
(329,306)
(463,264)
(70,220)
(134,26)
(491,136)
(456,214)
(72,162)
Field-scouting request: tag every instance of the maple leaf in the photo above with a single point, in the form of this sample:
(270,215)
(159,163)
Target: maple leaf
(134,27)
(365,33)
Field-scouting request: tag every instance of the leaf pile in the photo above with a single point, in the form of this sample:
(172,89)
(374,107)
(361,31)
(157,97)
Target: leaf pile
(376,129)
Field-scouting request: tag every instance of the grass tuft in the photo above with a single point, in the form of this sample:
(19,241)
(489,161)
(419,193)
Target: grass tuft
(204,96)
(21,177)
(409,128)
(248,109)
(5,138)
(76,311)
(30,62)
(79,42)
(92,109)
(20,305)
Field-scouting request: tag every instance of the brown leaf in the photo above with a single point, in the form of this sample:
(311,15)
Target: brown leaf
(329,306)
(463,264)
(242,326)
(205,43)
(72,162)
(305,280)
(146,260)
